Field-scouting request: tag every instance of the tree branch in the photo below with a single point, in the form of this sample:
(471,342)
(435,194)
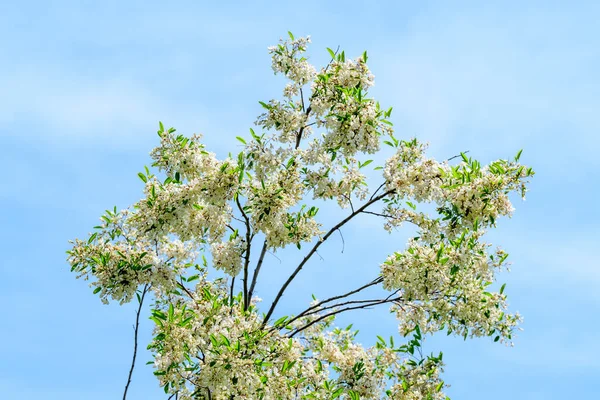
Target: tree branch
(315,248)
(310,309)
(299,135)
(231,290)
(377,190)
(247,256)
(257,270)
(362,306)
(135,340)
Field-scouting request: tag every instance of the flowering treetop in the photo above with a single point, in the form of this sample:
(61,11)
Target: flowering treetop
(211,338)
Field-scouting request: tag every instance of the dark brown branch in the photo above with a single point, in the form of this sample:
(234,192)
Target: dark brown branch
(299,135)
(135,339)
(231,290)
(378,214)
(257,270)
(362,306)
(302,99)
(247,255)
(310,309)
(182,286)
(315,248)
(342,304)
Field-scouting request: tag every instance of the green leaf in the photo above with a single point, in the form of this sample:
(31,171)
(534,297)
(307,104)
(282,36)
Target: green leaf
(502,288)
(364,164)
(280,321)
(92,237)
(337,393)
(241,139)
(97,290)
(143,177)
(291,35)
(518,156)
(331,53)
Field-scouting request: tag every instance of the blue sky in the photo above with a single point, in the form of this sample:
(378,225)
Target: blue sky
(84,83)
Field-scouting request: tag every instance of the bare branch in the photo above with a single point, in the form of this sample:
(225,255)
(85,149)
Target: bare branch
(247,255)
(374,282)
(377,190)
(343,241)
(335,312)
(299,135)
(135,339)
(257,270)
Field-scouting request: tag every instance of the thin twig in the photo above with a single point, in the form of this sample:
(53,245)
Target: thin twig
(377,190)
(257,270)
(362,306)
(231,290)
(374,282)
(343,241)
(299,135)
(135,339)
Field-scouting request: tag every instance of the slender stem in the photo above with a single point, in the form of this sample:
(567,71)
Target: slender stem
(231,290)
(248,246)
(257,270)
(135,340)
(299,136)
(378,214)
(182,286)
(378,189)
(341,296)
(315,248)
(348,302)
(343,241)
(335,312)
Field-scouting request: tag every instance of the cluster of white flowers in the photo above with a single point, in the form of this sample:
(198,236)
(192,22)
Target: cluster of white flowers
(211,340)
(410,175)
(227,256)
(445,285)
(179,209)
(287,59)
(264,159)
(210,345)
(419,381)
(354,364)
(180,154)
(340,74)
(121,260)
(287,119)
(351,184)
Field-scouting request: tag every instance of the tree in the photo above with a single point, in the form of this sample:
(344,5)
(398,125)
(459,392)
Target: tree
(199,214)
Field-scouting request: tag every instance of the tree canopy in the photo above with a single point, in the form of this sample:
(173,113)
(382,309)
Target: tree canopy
(212,337)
